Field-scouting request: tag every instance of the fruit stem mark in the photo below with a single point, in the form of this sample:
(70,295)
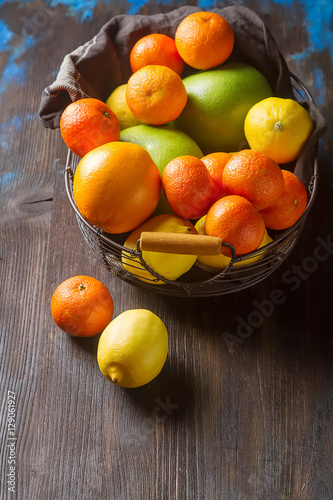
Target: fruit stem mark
(278,126)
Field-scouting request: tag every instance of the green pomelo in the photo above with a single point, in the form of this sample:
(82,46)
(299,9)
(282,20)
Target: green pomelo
(218,102)
(163,143)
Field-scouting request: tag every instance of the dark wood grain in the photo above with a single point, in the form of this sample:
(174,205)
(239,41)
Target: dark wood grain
(238,412)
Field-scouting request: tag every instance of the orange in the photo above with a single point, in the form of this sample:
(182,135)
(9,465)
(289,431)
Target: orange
(156,49)
(204,40)
(215,163)
(156,94)
(117,186)
(82,306)
(188,187)
(255,176)
(88,123)
(235,220)
(289,207)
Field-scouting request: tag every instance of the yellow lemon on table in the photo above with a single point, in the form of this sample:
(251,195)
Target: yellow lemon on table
(168,265)
(118,104)
(278,128)
(133,348)
(221,261)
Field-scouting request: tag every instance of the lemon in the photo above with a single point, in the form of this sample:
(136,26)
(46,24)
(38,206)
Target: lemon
(133,348)
(118,104)
(167,265)
(278,128)
(221,261)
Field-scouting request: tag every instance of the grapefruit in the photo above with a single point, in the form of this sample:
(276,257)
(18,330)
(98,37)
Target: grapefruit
(218,102)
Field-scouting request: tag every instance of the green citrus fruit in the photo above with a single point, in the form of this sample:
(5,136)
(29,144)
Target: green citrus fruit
(167,265)
(218,101)
(163,143)
(133,348)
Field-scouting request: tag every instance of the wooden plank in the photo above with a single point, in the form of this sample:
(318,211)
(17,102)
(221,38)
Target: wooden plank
(243,406)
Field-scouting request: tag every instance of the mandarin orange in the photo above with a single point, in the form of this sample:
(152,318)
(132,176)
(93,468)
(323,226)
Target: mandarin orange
(156,94)
(88,123)
(221,261)
(255,176)
(82,306)
(290,205)
(156,48)
(117,186)
(204,40)
(188,187)
(215,163)
(235,220)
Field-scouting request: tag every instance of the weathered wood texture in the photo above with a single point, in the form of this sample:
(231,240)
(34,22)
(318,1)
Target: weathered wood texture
(251,419)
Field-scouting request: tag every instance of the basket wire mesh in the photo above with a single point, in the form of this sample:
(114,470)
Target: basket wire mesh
(201,280)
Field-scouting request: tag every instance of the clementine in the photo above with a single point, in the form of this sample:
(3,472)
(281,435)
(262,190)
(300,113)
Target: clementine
(215,163)
(235,220)
(82,306)
(188,187)
(156,48)
(255,176)
(204,40)
(221,261)
(289,207)
(117,186)
(88,123)
(156,94)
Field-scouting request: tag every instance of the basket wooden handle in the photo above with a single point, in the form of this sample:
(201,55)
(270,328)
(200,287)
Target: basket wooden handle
(189,244)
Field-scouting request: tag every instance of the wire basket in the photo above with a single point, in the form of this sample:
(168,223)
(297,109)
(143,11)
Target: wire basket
(200,280)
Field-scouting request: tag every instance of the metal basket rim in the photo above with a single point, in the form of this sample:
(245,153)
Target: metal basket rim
(313,187)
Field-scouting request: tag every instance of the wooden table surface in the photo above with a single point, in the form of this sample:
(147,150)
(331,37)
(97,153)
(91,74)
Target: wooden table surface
(252,420)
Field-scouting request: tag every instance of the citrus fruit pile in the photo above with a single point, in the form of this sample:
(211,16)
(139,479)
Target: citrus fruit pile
(200,154)
(132,348)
